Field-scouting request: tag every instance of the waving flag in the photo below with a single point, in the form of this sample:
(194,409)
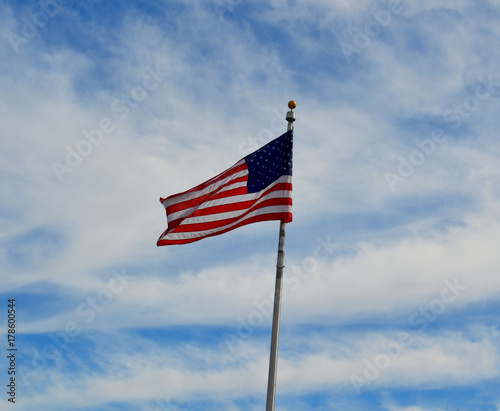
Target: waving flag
(256,188)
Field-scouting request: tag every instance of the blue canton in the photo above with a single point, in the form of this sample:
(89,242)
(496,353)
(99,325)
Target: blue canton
(270,162)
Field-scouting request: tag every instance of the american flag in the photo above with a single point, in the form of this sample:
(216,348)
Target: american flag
(256,188)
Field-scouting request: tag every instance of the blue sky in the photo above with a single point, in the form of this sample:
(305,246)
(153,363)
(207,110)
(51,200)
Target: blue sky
(392,290)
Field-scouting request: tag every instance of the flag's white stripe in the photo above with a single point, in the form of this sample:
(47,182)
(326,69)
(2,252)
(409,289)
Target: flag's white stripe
(225,171)
(244,197)
(228,200)
(208,189)
(236,213)
(197,234)
(186,212)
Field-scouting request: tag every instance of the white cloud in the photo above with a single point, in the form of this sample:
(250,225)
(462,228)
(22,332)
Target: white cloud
(226,81)
(393,279)
(199,373)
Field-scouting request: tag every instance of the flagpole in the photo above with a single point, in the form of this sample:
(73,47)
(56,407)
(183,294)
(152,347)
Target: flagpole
(280,264)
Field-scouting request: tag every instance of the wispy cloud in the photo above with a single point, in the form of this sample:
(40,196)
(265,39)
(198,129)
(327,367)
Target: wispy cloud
(209,374)
(78,92)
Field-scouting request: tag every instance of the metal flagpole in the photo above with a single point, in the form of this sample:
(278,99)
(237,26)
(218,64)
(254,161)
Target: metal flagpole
(273,360)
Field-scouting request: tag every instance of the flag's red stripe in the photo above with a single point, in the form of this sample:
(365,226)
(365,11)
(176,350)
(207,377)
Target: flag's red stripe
(228,173)
(237,192)
(243,190)
(228,193)
(286,217)
(192,202)
(210,225)
(229,207)
(226,208)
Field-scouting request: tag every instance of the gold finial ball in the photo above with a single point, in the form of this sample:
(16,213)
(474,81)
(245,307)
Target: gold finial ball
(292,104)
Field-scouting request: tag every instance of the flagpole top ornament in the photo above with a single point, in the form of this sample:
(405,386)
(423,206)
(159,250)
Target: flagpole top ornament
(290,116)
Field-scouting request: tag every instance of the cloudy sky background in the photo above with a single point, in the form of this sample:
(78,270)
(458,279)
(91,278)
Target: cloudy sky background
(392,282)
